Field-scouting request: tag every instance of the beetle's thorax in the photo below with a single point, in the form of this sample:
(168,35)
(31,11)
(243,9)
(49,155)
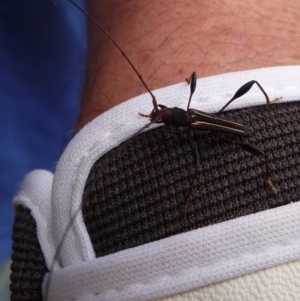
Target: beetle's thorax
(170,116)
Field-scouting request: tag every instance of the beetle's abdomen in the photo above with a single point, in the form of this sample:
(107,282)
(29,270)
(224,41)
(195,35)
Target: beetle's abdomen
(204,122)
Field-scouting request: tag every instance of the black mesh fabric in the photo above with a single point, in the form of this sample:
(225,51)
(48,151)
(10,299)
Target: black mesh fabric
(28,265)
(127,203)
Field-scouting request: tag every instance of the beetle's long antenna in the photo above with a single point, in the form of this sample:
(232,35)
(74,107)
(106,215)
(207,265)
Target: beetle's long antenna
(123,53)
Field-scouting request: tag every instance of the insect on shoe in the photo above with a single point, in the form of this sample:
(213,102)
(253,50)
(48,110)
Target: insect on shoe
(109,223)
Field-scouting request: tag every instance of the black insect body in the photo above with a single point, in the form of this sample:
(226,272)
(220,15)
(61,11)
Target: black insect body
(200,121)
(197,121)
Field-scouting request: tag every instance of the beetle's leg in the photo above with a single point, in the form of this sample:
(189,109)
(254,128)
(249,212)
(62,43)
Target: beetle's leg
(143,115)
(187,198)
(243,90)
(188,79)
(255,151)
(192,81)
(150,157)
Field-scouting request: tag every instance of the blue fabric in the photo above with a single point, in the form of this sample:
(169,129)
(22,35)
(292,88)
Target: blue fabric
(42,56)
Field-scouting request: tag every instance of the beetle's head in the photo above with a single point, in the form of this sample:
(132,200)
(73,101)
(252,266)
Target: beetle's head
(160,114)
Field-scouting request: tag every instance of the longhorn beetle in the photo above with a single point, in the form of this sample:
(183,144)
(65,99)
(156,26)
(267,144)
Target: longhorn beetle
(196,120)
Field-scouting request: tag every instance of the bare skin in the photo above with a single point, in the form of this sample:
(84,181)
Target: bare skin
(168,40)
